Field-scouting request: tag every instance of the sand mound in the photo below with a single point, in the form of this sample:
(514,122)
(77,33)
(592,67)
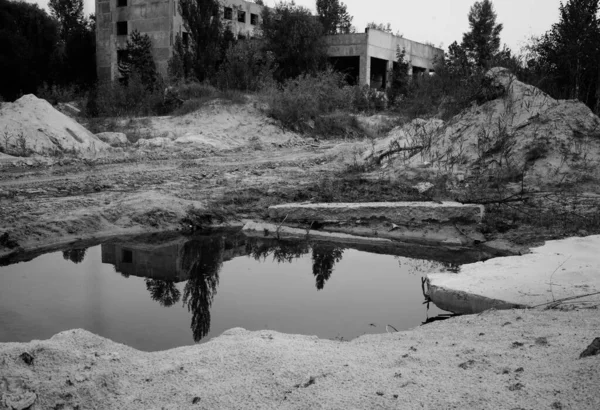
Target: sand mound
(500,359)
(32,126)
(523,129)
(220,126)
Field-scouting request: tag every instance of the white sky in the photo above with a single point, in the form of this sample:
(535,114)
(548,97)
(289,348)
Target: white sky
(439,21)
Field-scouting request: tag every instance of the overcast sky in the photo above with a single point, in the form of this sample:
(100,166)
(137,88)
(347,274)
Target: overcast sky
(439,21)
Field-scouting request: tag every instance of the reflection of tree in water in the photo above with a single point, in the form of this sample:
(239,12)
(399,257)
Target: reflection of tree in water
(282,251)
(324,258)
(202,260)
(74,255)
(164,292)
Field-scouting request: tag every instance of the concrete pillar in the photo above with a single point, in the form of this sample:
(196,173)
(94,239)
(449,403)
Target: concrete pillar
(364,73)
(388,75)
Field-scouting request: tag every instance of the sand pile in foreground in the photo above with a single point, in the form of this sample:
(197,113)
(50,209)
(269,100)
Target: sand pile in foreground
(31,125)
(499,359)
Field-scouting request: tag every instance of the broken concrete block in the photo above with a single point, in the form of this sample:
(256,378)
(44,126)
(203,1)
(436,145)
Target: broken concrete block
(398,212)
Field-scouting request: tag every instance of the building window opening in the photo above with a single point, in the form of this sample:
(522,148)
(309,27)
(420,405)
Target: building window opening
(126,256)
(121,28)
(254,19)
(175,8)
(241,16)
(185,38)
(121,3)
(228,15)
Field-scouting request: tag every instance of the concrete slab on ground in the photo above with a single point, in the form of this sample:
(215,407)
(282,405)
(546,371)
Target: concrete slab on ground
(397,212)
(562,272)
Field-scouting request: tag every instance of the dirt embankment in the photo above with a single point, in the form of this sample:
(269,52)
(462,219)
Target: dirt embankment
(499,359)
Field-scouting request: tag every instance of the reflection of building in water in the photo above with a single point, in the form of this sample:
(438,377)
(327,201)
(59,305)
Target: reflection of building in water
(157,261)
(160,260)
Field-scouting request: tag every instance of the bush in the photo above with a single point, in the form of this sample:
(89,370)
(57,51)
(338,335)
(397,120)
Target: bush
(194,96)
(301,100)
(444,94)
(58,94)
(366,98)
(134,99)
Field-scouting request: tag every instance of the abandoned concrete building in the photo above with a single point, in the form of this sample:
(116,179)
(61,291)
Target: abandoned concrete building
(160,19)
(365,57)
(368,57)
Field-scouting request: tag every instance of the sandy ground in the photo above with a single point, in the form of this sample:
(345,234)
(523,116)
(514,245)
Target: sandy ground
(496,360)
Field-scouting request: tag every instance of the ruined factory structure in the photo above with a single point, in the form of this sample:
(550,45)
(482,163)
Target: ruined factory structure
(368,57)
(365,57)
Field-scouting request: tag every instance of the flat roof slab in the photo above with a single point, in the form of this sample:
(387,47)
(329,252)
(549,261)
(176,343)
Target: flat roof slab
(397,212)
(562,271)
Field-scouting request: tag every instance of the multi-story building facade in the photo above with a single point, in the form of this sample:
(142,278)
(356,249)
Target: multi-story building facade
(160,19)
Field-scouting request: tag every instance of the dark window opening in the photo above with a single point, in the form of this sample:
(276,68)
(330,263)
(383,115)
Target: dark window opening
(121,56)
(126,256)
(228,15)
(241,16)
(379,74)
(121,3)
(254,19)
(121,28)
(185,38)
(349,66)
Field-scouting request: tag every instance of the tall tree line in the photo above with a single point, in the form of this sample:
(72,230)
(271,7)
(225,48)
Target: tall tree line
(37,48)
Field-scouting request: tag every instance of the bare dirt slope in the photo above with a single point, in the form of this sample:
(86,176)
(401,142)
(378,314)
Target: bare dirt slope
(519,130)
(149,188)
(496,360)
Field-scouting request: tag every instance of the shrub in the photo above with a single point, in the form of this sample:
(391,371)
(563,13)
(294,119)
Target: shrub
(303,99)
(134,99)
(58,94)
(366,98)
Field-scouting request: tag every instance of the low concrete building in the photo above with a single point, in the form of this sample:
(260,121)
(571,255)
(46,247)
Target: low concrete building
(160,19)
(368,57)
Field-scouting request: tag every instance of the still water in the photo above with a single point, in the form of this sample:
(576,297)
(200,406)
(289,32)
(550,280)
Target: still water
(155,293)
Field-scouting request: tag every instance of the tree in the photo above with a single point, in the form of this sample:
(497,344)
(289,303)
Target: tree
(181,64)
(400,78)
(69,14)
(74,255)
(29,37)
(202,19)
(137,60)
(568,55)
(295,38)
(75,58)
(334,17)
(324,258)
(247,66)
(482,42)
(457,60)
